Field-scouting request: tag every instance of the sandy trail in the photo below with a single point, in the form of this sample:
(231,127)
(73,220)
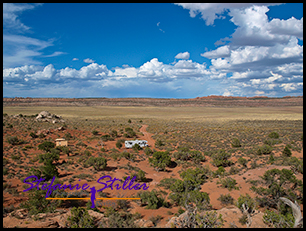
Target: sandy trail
(147,136)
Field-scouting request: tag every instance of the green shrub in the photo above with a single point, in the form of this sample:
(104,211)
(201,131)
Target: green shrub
(41,135)
(254,164)
(53,156)
(221,158)
(129,133)
(117,219)
(167,182)
(287,152)
(33,135)
(136,147)
(185,154)
(272,142)
(141,176)
(64,149)
(219,172)
(200,220)
(248,201)
(68,136)
(118,144)
(229,183)
(278,183)
(46,146)
(156,219)
(278,220)
(89,162)
(148,151)
(242,161)
(152,199)
(160,160)
(100,163)
(37,203)
(295,164)
(274,135)
(236,143)
(114,133)
(127,155)
(80,143)
(14,140)
(80,219)
(94,132)
(264,150)
(226,199)
(87,153)
(271,159)
(159,143)
(106,137)
(48,170)
(193,178)
(183,198)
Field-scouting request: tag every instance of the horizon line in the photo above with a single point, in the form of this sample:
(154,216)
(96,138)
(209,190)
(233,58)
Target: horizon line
(145,97)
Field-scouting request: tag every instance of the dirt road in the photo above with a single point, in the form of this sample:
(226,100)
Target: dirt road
(147,136)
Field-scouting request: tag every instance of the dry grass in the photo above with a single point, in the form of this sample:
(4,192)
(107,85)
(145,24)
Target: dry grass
(178,113)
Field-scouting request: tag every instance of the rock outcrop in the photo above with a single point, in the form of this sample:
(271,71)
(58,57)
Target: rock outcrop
(46,116)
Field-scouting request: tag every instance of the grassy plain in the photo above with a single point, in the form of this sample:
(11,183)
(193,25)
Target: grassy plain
(177,113)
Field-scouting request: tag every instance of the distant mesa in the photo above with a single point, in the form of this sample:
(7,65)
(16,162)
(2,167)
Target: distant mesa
(46,116)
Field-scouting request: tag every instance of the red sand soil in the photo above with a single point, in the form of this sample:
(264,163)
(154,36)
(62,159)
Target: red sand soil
(212,188)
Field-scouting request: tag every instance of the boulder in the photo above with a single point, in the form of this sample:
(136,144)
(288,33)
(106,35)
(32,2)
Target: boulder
(144,224)
(46,116)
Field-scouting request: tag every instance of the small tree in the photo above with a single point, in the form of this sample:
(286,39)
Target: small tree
(160,160)
(279,183)
(49,170)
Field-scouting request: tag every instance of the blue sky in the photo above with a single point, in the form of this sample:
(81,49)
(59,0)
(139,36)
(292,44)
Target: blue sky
(159,50)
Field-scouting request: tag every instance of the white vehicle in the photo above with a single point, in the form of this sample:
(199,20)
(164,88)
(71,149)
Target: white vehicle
(131,143)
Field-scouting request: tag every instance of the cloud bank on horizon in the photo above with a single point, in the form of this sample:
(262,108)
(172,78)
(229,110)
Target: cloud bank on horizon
(263,56)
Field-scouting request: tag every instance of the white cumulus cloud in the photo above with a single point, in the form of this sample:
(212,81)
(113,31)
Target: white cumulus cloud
(211,11)
(220,52)
(88,60)
(183,55)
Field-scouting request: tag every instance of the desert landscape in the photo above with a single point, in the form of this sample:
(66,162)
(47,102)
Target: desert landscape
(210,162)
